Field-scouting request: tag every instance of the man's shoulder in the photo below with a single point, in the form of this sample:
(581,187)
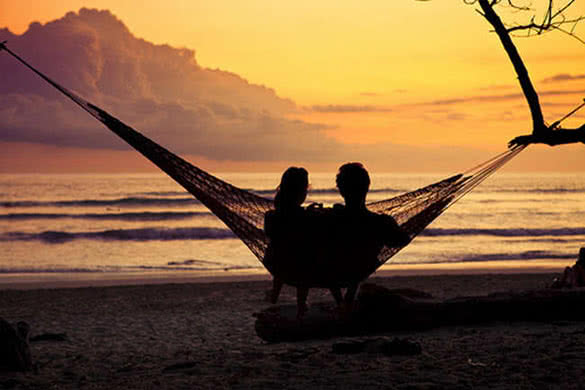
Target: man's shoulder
(382,219)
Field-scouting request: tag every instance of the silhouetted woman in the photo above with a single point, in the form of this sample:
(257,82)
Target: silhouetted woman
(285,228)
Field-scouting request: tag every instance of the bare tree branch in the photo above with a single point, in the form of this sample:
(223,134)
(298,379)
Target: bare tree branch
(554,19)
(513,5)
(541,28)
(552,138)
(538,125)
(555,135)
(570,33)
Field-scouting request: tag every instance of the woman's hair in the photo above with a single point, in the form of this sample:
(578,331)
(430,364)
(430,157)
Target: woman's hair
(293,187)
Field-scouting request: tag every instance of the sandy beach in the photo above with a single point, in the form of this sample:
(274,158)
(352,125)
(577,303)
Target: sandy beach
(201,336)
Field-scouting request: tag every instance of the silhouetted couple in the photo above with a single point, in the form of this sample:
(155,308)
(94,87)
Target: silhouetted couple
(326,247)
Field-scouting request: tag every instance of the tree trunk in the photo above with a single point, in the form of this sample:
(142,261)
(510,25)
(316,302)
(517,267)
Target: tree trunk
(380,310)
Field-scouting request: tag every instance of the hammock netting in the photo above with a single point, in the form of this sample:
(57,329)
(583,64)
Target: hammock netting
(243,212)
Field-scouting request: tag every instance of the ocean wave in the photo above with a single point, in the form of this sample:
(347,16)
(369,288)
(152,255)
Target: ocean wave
(189,265)
(48,270)
(140,216)
(165,193)
(524,200)
(154,199)
(195,262)
(145,234)
(177,198)
(557,190)
(487,257)
(206,233)
(223,267)
(527,255)
(332,190)
(128,202)
(436,232)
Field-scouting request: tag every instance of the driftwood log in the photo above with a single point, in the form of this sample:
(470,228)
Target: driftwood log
(381,310)
(14,347)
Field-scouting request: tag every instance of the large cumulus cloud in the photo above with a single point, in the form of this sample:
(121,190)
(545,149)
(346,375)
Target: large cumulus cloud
(163,92)
(157,89)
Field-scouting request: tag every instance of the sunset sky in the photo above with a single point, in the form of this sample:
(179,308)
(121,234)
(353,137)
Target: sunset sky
(401,85)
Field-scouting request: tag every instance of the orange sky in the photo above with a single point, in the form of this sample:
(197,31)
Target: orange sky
(379,71)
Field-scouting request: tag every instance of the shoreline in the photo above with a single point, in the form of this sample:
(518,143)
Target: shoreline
(31,281)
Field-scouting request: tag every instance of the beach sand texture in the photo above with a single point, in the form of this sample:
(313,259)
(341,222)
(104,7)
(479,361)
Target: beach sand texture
(201,336)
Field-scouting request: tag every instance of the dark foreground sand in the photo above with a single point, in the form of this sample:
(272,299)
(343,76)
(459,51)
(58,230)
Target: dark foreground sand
(201,336)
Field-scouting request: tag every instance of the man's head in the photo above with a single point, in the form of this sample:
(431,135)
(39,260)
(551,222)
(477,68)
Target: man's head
(353,183)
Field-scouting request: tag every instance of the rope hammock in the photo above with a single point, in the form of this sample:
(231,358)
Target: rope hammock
(243,212)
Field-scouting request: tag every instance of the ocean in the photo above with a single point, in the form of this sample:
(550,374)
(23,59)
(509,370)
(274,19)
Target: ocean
(120,223)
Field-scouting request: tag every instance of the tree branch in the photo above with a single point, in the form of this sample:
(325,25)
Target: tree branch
(544,27)
(552,138)
(555,135)
(538,125)
(552,20)
(570,33)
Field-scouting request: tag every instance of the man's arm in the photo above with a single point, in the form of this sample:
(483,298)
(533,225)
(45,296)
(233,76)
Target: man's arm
(394,235)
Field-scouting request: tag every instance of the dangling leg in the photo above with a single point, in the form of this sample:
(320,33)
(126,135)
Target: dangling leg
(276,287)
(273,294)
(350,294)
(302,294)
(336,292)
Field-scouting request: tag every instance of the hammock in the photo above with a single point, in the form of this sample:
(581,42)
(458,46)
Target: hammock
(243,212)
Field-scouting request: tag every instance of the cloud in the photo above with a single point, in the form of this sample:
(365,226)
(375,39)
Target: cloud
(345,108)
(561,77)
(496,98)
(160,90)
(497,87)
(163,92)
(455,116)
(562,93)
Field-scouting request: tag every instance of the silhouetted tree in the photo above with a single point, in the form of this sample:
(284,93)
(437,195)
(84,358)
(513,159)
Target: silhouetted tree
(554,19)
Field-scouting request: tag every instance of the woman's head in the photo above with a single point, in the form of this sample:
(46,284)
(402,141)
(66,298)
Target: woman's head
(293,187)
(581,258)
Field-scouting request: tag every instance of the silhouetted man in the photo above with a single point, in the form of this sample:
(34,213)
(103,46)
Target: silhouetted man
(361,233)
